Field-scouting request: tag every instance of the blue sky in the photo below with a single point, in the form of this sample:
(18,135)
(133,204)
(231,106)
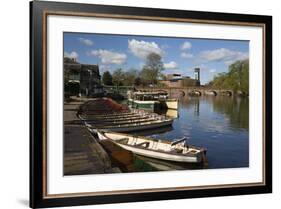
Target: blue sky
(179,55)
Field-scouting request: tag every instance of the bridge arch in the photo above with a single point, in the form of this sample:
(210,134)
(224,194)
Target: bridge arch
(211,92)
(241,93)
(194,93)
(182,93)
(226,93)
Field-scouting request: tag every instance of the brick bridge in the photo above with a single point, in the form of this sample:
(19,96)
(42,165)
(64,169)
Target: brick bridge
(173,91)
(191,91)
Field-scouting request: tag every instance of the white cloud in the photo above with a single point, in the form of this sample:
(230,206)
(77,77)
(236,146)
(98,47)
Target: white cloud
(186,45)
(73,55)
(171,65)
(85,41)
(109,57)
(213,70)
(223,54)
(142,49)
(186,55)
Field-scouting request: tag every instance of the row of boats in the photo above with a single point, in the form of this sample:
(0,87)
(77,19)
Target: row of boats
(117,121)
(130,121)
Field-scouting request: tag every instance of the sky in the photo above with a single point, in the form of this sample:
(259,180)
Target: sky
(179,55)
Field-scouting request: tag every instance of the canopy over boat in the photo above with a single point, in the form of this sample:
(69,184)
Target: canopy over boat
(151,100)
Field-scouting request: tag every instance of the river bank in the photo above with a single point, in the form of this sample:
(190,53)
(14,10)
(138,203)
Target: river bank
(82,153)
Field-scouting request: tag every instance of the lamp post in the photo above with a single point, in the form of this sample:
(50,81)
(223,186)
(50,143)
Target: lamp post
(90,82)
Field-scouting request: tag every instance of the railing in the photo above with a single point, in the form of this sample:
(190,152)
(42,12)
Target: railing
(118,89)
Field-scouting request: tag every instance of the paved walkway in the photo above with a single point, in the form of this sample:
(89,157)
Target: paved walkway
(82,153)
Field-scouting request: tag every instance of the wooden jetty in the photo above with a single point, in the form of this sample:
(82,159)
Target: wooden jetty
(83,154)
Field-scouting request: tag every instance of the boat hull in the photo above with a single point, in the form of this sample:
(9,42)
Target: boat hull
(137,127)
(145,105)
(161,155)
(172,104)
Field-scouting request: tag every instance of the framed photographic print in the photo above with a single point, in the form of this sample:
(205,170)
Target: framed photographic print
(139,104)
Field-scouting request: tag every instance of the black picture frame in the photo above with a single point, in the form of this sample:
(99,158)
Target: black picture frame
(38,11)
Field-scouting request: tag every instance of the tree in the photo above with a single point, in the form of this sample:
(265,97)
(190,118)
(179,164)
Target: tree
(118,77)
(137,81)
(152,69)
(129,77)
(236,79)
(107,78)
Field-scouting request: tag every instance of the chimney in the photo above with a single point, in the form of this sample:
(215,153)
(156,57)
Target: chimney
(197,75)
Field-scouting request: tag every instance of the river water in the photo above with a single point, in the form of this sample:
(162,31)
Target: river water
(220,124)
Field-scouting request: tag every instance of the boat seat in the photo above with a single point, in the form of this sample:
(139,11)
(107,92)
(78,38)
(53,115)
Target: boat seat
(178,141)
(146,144)
(123,140)
(177,150)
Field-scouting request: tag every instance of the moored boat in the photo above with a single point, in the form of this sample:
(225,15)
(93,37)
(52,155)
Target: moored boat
(151,100)
(175,151)
(100,106)
(121,119)
(145,105)
(172,103)
(171,113)
(134,126)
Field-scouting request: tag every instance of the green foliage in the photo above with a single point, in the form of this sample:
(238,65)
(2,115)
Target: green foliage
(130,77)
(118,77)
(152,69)
(137,81)
(237,78)
(126,78)
(148,75)
(107,78)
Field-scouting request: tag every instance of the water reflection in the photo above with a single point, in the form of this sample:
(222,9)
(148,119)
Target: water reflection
(162,165)
(235,109)
(220,124)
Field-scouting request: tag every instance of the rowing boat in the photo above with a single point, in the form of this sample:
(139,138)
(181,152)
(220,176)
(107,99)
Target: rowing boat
(136,126)
(113,117)
(121,118)
(116,119)
(176,151)
(92,113)
(118,122)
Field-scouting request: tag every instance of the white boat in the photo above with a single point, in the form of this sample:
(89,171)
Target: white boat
(176,151)
(172,103)
(172,113)
(151,100)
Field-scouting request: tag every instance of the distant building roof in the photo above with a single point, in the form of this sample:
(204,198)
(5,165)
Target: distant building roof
(174,76)
(70,60)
